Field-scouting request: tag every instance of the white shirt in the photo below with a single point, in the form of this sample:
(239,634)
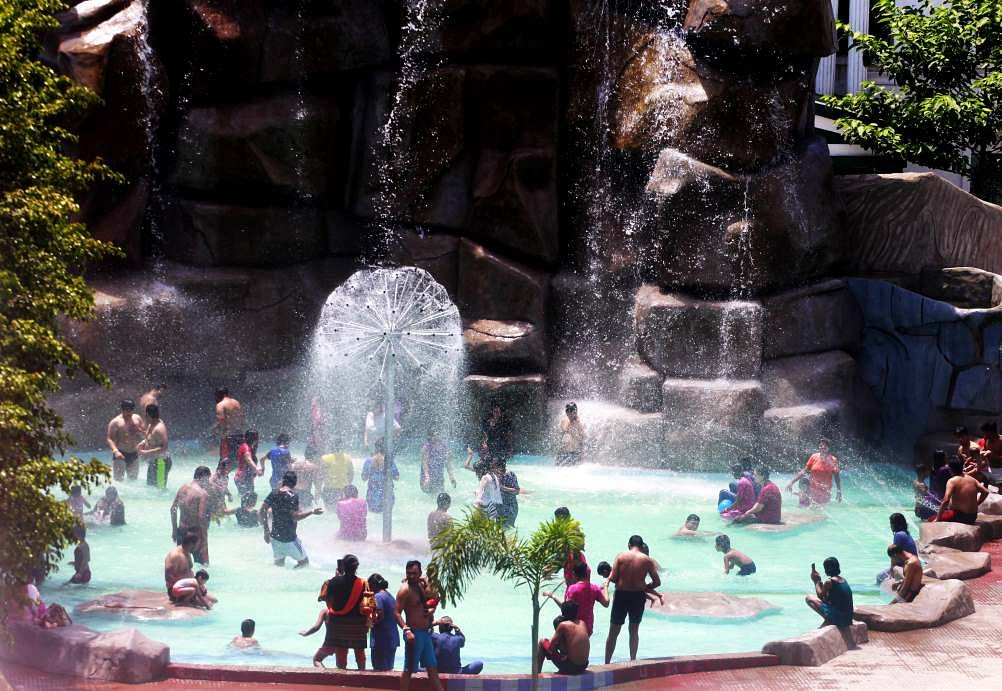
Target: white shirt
(488,491)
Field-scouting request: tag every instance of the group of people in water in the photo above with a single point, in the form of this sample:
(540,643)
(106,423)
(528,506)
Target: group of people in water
(354,607)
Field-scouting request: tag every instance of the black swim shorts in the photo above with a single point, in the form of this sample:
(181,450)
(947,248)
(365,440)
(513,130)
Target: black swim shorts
(130,458)
(627,602)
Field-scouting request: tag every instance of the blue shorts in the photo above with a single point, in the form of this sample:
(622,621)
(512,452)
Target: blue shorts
(420,652)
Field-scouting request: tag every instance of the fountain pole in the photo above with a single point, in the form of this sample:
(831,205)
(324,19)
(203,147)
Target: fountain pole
(389,414)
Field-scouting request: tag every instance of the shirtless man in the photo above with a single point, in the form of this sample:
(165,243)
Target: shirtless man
(229,425)
(192,502)
(153,449)
(629,572)
(911,584)
(963,495)
(125,431)
(178,563)
(415,612)
(570,645)
(572,436)
(151,397)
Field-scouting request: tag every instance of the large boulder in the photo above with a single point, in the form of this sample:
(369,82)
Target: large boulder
(817,647)
(945,563)
(800,379)
(992,505)
(816,318)
(966,538)
(991,526)
(616,435)
(495,32)
(792,520)
(749,233)
(791,428)
(436,253)
(280,144)
(493,287)
(140,605)
(692,407)
(504,347)
(522,397)
(207,233)
(963,286)
(805,27)
(639,386)
(123,655)
(685,337)
(712,606)
(903,223)
(935,605)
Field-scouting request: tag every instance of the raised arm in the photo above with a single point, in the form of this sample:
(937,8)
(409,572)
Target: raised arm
(800,474)
(310,512)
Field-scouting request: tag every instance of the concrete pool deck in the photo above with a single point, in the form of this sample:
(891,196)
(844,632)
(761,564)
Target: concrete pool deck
(964,653)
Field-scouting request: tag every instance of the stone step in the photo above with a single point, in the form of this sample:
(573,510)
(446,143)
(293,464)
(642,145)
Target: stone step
(615,434)
(804,422)
(799,379)
(724,404)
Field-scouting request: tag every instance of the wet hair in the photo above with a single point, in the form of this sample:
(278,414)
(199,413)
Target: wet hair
(569,610)
(289,478)
(824,440)
(127,404)
(379,447)
(349,564)
(831,566)
(581,571)
(737,470)
(203,574)
(603,569)
(763,471)
(692,517)
(645,548)
(247,628)
(412,562)
(990,428)
(248,499)
(350,491)
(960,431)
(938,458)
(445,624)
(898,522)
(111,492)
(635,541)
(746,462)
(443,501)
(571,407)
(723,542)
(282,439)
(251,436)
(956,466)
(153,411)
(221,393)
(377,582)
(562,512)
(202,472)
(190,538)
(80,530)
(895,550)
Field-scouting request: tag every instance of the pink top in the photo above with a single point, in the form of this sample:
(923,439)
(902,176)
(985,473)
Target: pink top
(744,501)
(585,594)
(352,513)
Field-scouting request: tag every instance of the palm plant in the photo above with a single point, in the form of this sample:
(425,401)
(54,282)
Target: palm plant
(477,543)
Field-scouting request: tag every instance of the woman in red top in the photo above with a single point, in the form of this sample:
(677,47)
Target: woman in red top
(823,468)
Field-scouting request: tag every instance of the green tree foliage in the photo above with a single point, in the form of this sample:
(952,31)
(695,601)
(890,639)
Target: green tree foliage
(42,254)
(477,543)
(946,60)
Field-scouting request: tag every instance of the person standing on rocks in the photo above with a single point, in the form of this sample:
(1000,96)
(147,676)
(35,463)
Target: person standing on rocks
(572,436)
(823,468)
(125,431)
(229,425)
(963,496)
(189,514)
(630,572)
(153,449)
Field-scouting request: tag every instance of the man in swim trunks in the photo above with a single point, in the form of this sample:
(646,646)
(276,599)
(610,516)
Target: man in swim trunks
(963,495)
(192,503)
(570,646)
(911,584)
(125,431)
(415,608)
(178,564)
(229,425)
(572,436)
(153,449)
(629,572)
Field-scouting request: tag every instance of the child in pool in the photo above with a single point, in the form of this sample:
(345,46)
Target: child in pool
(247,515)
(81,557)
(246,638)
(803,491)
(110,508)
(732,557)
(192,591)
(76,501)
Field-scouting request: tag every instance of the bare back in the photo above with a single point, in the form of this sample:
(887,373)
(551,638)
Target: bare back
(229,416)
(964,491)
(192,502)
(177,565)
(912,581)
(571,638)
(631,569)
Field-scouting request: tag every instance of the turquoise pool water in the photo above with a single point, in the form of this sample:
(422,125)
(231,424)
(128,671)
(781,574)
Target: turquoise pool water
(611,503)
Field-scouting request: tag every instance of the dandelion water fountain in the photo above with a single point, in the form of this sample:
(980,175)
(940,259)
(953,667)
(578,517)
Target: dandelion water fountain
(380,321)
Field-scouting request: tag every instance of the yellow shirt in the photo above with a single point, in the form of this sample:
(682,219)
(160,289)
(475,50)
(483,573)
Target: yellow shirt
(337,470)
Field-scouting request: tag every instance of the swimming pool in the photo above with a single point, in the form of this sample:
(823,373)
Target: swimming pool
(611,503)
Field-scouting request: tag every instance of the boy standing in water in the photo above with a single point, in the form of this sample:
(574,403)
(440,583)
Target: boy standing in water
(732,557)
(81,556)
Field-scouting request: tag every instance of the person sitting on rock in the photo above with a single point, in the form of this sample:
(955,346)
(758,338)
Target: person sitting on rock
(832,598)
(246,638)
(570,646)
(991,451)
(732,557)
(963,495)
(192,591)
(911,583)
(926,504)
(768,508)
